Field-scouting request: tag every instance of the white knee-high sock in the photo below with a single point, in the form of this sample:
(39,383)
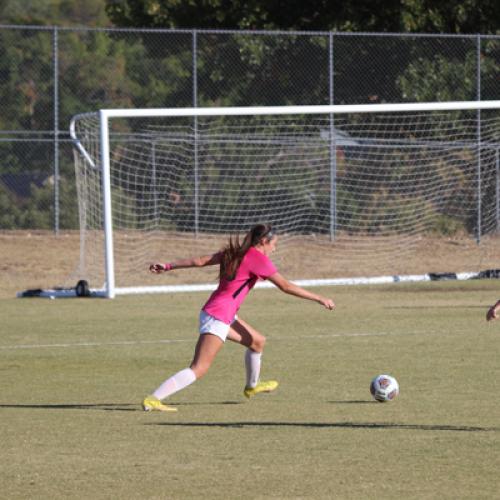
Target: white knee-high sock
(252,365)
(175,383)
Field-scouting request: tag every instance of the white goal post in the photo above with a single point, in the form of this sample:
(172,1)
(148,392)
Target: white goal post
(355,191)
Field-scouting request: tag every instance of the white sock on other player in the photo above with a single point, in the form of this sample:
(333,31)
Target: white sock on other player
(252,365)
(175,383)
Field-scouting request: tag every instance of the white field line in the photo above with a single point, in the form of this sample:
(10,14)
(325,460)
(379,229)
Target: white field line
(91,344)
(193,339)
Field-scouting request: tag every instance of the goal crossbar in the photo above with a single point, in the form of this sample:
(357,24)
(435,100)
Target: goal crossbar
(299,110)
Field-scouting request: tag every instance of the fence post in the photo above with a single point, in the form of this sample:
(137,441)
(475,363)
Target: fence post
(55,43)
(196,166)
(497,187)
(478,137)
(155,180)
(333,146)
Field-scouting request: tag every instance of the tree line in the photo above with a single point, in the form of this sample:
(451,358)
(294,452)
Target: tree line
(147,69)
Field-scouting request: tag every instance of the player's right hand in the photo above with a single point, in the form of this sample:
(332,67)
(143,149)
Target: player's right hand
(158,268)
(328,303)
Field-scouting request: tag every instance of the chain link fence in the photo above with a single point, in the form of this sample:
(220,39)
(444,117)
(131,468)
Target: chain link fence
(49,74)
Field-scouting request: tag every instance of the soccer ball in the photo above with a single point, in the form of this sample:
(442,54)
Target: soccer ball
(384,388)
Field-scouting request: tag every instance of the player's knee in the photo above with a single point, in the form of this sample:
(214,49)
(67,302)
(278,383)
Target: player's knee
(258,343)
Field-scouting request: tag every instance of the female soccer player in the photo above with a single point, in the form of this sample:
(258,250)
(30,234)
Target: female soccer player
(241,266)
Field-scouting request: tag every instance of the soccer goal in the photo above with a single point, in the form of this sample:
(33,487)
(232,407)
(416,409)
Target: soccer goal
(355,192)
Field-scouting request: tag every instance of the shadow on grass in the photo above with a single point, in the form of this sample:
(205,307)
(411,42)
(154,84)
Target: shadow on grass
(241,425)
(101,406)
(78,406)
(333,425)
(461,307)
(355,402)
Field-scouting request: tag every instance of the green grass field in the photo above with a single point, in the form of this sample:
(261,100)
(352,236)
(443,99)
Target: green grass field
(73,372)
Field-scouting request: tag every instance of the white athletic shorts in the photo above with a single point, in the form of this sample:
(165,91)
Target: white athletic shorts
(209,324)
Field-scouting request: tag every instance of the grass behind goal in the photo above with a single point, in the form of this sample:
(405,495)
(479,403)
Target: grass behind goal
(73,373)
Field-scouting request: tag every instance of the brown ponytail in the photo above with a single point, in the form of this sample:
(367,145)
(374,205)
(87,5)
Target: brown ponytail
(233,253)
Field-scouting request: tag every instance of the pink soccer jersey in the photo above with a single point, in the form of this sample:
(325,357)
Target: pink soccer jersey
(224,302)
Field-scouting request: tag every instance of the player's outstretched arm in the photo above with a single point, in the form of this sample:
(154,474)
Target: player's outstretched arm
(493,311)
(288,287)
(204,260)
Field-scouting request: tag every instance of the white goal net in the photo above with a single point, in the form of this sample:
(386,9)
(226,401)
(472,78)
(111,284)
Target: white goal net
(353,191)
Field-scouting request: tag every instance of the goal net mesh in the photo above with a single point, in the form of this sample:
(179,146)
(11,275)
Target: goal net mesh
(350,195)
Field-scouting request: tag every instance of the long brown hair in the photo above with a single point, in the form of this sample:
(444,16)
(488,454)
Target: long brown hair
(233,253)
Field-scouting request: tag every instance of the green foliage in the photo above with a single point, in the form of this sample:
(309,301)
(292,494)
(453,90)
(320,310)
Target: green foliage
(33,212)
(453,16)
(26,95)
(37,210)
(431,16)
(490,68)
(98,63)
(435,79)
(54,12)
(124,69)
(10,214)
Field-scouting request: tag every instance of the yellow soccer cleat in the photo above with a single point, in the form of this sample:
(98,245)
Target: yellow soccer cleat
(268,386)
(152,403)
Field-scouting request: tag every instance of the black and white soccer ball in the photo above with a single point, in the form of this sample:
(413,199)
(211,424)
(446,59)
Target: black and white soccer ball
(384,388)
